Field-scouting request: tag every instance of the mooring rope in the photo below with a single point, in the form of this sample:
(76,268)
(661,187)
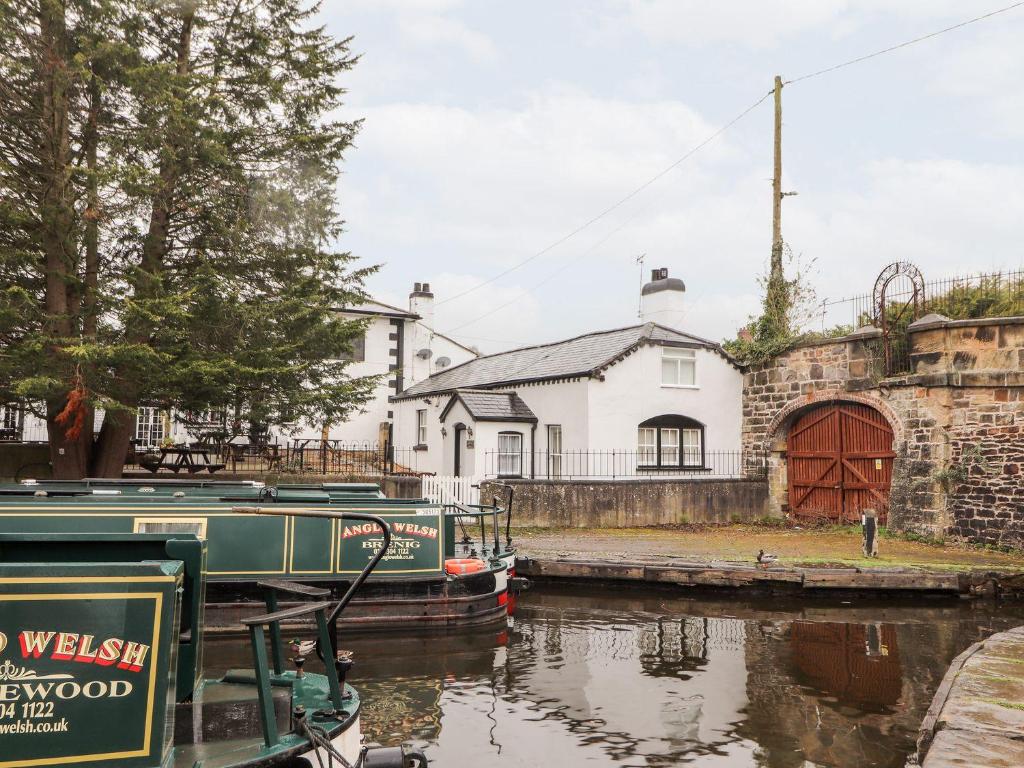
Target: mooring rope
(319,739)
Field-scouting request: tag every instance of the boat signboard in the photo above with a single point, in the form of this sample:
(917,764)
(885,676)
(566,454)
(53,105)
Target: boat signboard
(87,654)
(417,544)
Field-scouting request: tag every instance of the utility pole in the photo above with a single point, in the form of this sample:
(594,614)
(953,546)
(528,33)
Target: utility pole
(640,305)
(775,320)
(776,266)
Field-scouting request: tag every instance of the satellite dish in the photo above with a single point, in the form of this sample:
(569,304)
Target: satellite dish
(442,362)
(424,354)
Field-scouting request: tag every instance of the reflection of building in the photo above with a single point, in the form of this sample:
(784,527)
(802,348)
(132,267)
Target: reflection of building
(667,686)
(808,681)
(857,663)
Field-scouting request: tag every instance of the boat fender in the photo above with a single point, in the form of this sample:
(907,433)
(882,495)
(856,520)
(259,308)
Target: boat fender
(460,566)
(392,757)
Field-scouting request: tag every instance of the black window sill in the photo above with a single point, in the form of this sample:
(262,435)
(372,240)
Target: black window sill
(420,447)
(510,477)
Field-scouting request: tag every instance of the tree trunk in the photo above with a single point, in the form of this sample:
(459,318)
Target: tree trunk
(111,447)
(69,456)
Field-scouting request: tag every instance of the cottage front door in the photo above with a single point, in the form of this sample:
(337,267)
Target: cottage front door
(839,461)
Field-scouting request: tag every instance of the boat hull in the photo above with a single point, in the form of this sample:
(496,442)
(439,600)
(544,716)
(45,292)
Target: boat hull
(472,600)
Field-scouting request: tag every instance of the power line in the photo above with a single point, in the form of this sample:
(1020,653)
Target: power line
(614,206)
(685,157)
(904,44)
(550,276)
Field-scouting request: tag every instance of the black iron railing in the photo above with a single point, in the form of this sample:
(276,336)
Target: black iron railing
(297,457)
(627,463)
(996,294)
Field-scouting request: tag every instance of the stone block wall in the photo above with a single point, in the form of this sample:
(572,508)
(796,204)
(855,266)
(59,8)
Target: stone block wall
(966,389)
(631,503)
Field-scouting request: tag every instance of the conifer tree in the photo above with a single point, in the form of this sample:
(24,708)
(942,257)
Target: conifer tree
(167,215)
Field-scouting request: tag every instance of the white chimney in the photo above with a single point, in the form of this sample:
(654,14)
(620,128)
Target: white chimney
(661,300)
(421,302)
(419,340)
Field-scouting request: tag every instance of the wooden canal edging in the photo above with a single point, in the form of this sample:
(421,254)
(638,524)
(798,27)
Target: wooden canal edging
(775,578)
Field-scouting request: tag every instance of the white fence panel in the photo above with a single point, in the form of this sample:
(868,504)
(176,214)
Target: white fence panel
(449,489)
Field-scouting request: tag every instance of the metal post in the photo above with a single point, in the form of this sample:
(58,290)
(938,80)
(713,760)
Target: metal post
(268,720)
(329,657)
(275,631)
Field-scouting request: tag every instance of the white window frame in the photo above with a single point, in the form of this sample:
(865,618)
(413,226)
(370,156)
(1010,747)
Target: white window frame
(669,456)
(150,426)
(647,446)
(554,450)
(670,447)
(675,362)
(692,447)
(9,413)
(510,454)
(421,426)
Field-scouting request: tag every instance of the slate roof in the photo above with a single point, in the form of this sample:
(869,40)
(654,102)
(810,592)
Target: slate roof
(374,307)
(581,356)
(487,405)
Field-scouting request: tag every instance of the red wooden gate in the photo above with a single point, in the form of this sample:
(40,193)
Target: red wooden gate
(839,461)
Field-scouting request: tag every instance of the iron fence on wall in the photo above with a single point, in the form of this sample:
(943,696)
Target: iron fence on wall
(996,294)
(628,463)
(296,457)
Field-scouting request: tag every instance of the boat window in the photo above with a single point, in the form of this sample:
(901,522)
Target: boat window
(196,525)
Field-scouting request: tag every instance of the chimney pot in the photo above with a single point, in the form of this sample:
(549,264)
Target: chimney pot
(426,287)
(417,287)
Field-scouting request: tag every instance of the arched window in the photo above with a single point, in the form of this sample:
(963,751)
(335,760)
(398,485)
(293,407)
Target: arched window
(670,442)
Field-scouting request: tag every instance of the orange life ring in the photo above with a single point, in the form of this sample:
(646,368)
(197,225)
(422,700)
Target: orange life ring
(462,566)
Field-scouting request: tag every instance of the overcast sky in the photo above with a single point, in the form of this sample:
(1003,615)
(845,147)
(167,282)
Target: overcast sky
(493,129)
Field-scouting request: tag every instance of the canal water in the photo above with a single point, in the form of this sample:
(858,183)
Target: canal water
(598,677)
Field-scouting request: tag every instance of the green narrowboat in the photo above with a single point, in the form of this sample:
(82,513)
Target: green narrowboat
(447,565)
(101,662)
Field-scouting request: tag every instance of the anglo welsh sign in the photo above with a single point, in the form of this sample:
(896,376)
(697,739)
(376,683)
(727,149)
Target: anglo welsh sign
(86,663)
(417,545)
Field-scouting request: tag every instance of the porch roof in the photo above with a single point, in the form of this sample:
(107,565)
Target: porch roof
(488,405)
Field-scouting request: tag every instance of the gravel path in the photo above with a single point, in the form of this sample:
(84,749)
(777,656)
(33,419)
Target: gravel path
(741,543)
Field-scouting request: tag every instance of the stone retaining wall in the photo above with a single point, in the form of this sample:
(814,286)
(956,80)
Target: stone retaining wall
(631,503)
(956,420)
(977,715)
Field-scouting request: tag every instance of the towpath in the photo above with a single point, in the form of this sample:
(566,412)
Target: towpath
(839,547)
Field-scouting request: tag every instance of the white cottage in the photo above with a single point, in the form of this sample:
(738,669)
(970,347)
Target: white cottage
(645,399)
(401,344)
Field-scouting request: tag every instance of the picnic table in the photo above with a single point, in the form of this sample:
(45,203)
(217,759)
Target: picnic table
(188,458)
(245,453)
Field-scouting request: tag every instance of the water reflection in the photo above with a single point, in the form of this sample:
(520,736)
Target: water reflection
(601,678)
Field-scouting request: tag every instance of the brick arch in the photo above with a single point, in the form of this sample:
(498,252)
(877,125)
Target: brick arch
(794,408)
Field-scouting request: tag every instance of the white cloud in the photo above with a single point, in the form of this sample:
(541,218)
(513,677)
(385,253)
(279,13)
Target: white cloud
(758,25)
(437,30)
(480,191)
(429,23)
(521,323)
(452,187)
(987,71)
(948,217)
(768,23)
